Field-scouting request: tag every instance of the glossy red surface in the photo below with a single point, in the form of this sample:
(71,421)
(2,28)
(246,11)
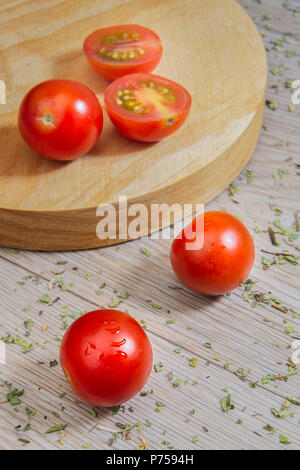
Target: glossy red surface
(106,357)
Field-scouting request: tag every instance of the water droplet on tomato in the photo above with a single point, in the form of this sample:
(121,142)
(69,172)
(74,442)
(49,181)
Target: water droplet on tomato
(121,355)
(117,344)
(88,349)
(101,356)
(113,329)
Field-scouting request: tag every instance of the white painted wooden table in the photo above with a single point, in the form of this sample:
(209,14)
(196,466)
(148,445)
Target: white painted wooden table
(247,343)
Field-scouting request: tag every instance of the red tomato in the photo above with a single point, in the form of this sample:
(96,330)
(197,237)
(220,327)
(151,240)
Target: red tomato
(106,356)
(60,119)
(123,49)
(146,107)
(223,262)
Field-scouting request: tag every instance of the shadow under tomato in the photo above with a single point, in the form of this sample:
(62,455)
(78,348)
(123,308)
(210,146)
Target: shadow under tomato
(163,283)
(17,159)
(111,143)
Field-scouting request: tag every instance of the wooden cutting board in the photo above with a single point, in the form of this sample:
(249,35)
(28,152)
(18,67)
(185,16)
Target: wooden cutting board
(211,47)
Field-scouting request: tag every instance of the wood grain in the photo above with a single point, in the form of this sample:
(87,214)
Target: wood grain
(247,336)
(50,205)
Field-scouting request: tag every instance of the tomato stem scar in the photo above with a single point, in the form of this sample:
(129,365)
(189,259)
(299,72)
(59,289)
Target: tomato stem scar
(170,122)
(47,119)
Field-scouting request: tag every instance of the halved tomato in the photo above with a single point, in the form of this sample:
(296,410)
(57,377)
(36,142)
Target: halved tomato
(146,107)
(123,49)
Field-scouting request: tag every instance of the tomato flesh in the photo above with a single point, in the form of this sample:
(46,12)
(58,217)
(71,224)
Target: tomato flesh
(60,119)
(106,357)
(119,50)
(223,262)
(146,107)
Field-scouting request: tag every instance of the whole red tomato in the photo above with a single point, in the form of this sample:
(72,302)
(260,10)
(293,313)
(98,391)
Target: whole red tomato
(223,262)
(60,119)
(106,357)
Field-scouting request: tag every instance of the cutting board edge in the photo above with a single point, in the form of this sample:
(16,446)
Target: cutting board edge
(76,229)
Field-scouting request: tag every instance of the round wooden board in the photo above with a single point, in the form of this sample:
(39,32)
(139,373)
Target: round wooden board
(211,47)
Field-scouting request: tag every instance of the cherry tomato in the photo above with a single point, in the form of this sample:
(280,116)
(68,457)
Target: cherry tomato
(146,107)
(106,357)
(223,262)
(123,49)
(60,119)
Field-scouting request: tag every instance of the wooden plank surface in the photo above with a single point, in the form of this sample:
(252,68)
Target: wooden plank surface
(252,338)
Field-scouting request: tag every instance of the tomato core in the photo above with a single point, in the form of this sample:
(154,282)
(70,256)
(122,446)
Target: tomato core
(150,95)
(121,45)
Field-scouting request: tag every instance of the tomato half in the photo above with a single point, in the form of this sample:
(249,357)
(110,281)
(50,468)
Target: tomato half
(223,262)
(60,119)
(146,107)
(106,357)
(119,50)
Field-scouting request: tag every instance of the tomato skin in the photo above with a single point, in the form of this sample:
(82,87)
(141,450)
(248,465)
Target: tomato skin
(223,262)
(106,356)
(146,128)
(75,119)
(113,70)
(151,131)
